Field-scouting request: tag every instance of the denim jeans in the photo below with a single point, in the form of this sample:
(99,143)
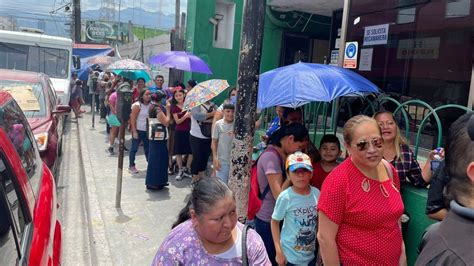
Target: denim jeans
(265,232)
(223,174)
(135,143)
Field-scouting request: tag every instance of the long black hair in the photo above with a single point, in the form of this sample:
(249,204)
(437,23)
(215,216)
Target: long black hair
(204,195)
(298,131)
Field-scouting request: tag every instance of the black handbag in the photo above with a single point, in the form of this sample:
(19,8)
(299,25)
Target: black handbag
(206,128)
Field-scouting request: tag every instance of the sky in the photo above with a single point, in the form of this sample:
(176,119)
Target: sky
(45,6)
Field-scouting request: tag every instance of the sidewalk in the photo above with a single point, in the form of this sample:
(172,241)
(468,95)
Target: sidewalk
(132,234)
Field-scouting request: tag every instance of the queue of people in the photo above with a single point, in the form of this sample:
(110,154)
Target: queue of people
(316,207)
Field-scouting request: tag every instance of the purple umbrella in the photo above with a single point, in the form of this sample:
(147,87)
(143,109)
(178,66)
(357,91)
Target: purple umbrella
(181,60)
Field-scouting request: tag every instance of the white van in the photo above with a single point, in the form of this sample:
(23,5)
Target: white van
(39,52)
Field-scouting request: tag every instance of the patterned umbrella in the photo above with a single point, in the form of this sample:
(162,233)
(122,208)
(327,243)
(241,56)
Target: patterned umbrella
(131,69)
(103,60)
(181,60)
(204,92)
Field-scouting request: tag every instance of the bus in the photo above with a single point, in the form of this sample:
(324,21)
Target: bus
(38,52)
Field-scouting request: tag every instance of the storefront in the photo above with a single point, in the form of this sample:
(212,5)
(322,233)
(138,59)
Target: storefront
(416,49)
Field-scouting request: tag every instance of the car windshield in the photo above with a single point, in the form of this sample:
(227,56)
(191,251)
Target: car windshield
(29,96)
(51,61)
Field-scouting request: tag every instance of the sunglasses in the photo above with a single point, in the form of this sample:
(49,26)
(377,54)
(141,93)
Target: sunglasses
(364,144)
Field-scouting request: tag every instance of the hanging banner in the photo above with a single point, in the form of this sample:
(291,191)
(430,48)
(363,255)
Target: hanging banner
(376,35)
(350,55)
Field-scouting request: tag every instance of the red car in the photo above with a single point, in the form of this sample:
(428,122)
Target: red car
(37,98)
(30,233)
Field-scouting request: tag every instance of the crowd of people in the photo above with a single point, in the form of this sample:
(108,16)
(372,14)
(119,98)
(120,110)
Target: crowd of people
(319,205)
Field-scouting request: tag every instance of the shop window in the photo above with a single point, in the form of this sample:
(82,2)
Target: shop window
(406,15)
(223,21)
(457,8)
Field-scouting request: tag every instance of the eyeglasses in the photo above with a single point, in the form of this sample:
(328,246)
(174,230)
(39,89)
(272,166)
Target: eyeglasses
(364,144)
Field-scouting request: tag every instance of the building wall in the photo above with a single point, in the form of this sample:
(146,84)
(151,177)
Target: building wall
(224,62)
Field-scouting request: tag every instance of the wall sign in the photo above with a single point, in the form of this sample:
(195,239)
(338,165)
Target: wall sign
(375,35)
(365,63)
(350,55)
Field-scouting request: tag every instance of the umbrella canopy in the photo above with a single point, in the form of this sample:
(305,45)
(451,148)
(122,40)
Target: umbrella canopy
(301,83)
(204,92)
(131,69)
(181,60)
(102,60)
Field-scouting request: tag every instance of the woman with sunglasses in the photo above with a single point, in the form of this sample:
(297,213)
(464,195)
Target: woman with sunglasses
(398,153)
(360,204)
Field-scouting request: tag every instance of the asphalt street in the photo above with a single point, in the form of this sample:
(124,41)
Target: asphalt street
(95,232)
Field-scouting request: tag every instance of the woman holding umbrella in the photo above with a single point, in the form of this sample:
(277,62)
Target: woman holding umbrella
(158,121)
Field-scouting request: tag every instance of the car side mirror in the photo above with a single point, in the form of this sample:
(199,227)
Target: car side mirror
(62,110)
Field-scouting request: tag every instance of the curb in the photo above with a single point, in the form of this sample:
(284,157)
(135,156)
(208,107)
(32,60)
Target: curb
(99,246)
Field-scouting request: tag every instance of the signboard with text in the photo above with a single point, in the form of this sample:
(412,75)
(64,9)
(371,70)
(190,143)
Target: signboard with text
(421,48)
(376,35)
(350,55)
(104,32)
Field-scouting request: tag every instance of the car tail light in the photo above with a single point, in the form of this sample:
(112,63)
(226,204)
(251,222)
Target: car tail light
(42,140)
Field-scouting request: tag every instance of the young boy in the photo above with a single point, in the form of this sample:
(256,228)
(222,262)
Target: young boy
(330,149)
(297,206)
(222,136)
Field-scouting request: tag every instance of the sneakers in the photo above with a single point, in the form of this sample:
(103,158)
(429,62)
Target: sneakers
(187,172)
(102,121)
(180,175)
(133,170)
(110,151)
(170,170)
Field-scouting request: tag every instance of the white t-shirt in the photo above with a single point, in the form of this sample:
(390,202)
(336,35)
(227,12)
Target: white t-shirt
(236,250)
(142,115)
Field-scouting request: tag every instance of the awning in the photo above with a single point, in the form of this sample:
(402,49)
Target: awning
(88,51)
(319,7)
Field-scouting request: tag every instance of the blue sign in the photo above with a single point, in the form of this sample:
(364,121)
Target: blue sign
(350,55)
(351,50)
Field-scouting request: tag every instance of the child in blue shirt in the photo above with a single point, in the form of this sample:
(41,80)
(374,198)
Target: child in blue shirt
(297,206)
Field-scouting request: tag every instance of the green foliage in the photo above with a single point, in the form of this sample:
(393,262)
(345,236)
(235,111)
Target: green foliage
(146,33)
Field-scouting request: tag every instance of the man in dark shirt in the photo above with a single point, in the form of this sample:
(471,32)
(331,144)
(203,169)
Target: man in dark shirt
(451,242)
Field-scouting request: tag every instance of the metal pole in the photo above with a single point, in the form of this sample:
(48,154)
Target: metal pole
(340,59)
(118,195)
(245,113)
(93,109)
(345,21)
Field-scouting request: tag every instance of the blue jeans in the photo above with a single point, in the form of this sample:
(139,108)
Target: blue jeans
(223,174)
(135,143)
(265,232)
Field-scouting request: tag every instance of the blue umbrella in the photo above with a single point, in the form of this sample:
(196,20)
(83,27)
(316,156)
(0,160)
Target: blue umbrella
(301,83)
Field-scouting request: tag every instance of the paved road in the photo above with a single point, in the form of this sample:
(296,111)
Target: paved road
(94,231)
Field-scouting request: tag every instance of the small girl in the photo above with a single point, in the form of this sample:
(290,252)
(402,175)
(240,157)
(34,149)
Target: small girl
(76,99)
(297,206)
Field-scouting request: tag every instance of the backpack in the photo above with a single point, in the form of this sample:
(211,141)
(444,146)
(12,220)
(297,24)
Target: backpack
(255,197)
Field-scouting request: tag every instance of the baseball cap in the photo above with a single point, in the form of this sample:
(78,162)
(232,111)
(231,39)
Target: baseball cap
(298,160)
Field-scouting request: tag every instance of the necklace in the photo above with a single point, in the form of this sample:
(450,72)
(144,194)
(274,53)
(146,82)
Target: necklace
(366,187)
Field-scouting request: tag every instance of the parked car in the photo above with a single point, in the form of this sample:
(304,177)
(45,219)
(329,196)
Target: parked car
(37,98)
(30,233)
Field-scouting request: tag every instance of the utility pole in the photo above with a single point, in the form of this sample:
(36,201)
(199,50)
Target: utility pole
(77,20)
(245,113)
